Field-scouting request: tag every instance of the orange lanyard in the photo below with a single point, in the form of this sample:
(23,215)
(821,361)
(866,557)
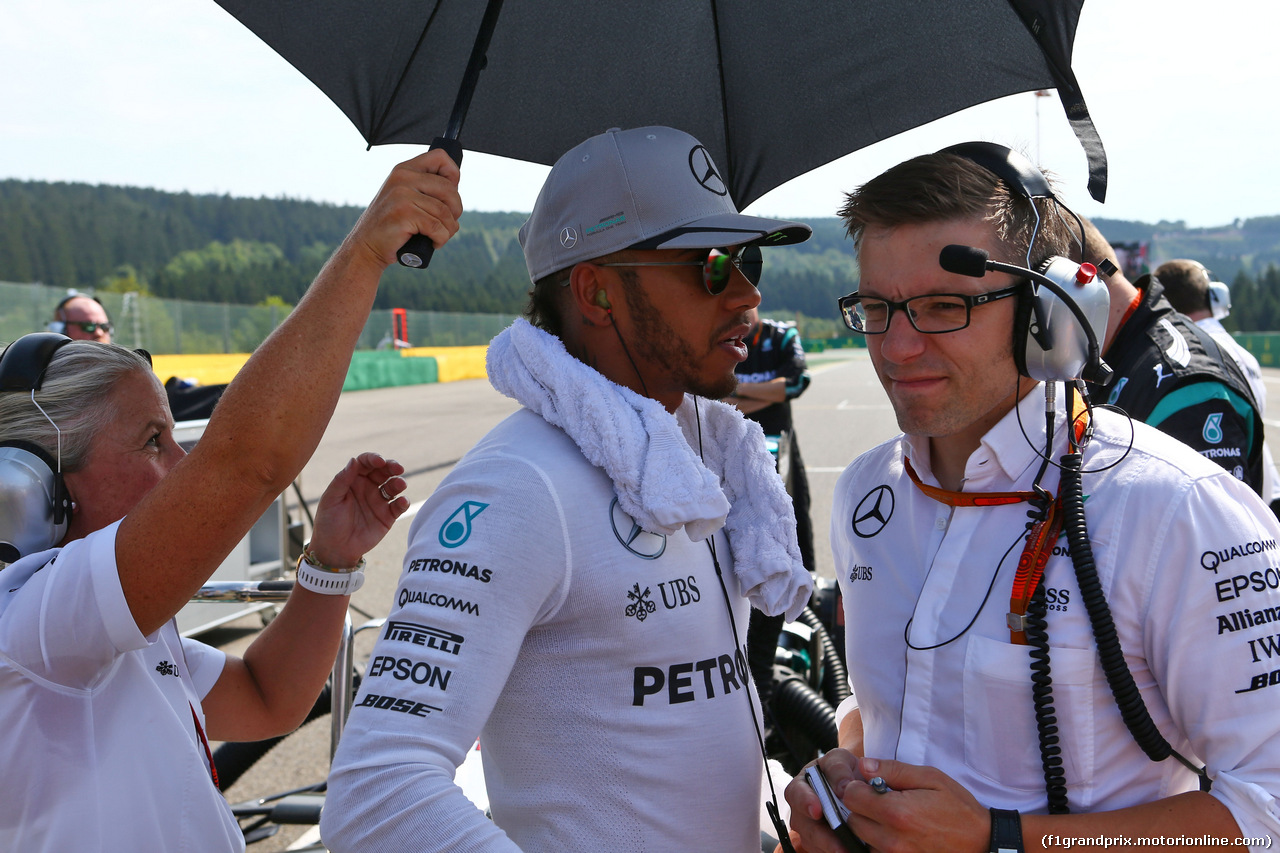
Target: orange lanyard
(966,498)
(1039,547)
(1035,554)
(1045,532)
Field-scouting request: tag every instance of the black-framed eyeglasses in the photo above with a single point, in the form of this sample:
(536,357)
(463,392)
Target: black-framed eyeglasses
(90,328)
(931,314)
(717,268)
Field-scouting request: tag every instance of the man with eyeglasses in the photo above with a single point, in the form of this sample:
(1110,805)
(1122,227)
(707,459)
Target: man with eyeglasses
(576,592)
(980,696)
(81,318)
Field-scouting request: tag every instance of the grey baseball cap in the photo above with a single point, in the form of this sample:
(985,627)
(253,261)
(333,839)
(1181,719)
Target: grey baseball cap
(645,188)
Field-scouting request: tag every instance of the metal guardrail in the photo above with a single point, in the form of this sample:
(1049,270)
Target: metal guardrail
(173,326)
(231,591)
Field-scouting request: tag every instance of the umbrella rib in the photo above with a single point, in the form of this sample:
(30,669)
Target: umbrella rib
(376,133)
(724,99)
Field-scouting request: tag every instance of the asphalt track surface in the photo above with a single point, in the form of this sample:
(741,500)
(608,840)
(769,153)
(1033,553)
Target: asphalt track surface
(428,428)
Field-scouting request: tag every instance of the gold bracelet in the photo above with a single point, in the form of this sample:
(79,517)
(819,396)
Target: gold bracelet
(309,557)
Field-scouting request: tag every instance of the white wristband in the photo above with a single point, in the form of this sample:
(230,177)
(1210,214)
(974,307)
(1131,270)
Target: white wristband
(328,583)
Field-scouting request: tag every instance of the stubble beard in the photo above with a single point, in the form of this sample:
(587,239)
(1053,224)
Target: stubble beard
(966,407)
(657,343)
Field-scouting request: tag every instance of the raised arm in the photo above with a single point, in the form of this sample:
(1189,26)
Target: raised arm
(272,416)
(270,691)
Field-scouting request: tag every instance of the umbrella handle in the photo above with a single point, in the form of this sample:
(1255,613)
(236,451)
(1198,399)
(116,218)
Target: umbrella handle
(417,250)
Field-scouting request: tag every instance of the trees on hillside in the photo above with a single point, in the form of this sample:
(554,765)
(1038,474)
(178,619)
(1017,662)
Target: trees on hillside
(249,251)
(1255,303)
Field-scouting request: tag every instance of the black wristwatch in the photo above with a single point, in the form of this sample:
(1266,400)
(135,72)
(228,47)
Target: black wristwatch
(1006,831)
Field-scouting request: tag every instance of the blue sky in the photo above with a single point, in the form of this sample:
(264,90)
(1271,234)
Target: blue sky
(177,95)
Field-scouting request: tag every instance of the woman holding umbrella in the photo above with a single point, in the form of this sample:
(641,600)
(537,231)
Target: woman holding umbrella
(105,711)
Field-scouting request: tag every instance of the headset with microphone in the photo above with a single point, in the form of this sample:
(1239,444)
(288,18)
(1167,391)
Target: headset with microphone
(1055,330)
(1056,340)
(1048,346)
(35,507)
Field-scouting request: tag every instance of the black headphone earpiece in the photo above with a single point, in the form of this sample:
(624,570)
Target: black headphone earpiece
(38,506)
(23,362)
(1050,344)
(1008,165)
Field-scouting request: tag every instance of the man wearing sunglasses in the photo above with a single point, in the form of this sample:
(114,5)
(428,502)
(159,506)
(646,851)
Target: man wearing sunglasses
(576,592)
(981,662)
(82,318)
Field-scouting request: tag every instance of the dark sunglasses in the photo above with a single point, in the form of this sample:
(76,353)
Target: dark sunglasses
(717,268)
(90,328)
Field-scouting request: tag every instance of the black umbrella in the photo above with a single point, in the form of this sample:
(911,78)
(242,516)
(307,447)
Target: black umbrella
(773,89)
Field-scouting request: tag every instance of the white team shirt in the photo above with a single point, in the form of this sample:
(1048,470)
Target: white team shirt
(595,662)
(1186,555)
(99,749)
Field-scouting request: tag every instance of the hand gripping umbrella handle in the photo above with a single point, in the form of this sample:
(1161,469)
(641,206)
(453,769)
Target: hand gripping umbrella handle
(417,251)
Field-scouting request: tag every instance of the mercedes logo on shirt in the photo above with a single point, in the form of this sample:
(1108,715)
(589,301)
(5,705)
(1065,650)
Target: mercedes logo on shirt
(637,540)
(704,171)
(873,512)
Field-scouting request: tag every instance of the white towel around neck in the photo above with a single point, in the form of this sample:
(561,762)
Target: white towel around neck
(661,480)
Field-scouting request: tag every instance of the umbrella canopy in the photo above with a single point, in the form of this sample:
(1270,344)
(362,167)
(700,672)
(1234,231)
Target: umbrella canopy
(773,89)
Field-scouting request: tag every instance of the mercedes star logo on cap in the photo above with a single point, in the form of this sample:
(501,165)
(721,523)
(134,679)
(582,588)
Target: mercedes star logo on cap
(704,171)
(568,237)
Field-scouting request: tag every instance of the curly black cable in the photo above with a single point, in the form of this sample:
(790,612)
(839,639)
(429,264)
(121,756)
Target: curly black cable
(835,677)
(1132,708)
(804,708)
(1037,631)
